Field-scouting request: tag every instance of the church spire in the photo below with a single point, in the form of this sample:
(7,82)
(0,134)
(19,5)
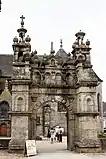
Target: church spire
(52,50)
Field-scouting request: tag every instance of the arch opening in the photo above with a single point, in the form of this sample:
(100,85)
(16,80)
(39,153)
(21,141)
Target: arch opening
(4,108)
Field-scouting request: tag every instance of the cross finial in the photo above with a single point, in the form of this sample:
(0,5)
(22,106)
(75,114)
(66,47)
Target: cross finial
(61,43)
(22,22)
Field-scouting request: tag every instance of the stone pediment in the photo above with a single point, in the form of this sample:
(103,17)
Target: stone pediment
(52,62)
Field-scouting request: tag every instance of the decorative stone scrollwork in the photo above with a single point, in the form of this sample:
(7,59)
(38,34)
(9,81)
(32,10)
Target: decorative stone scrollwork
(52,62)
(19,72)
(61,107)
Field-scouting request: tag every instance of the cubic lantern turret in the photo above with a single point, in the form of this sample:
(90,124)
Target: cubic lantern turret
(21,45)
(81,49)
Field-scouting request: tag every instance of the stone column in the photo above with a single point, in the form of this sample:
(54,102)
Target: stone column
(20,115)
(87,121)
(19,130)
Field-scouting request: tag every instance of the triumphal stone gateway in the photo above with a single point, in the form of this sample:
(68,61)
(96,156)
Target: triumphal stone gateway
(56,89)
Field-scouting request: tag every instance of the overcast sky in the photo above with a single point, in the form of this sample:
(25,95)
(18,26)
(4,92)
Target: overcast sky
(51,20)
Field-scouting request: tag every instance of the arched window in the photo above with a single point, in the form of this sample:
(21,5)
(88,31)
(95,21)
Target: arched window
(98,101)
(3,129)
(4,108)
(20,103)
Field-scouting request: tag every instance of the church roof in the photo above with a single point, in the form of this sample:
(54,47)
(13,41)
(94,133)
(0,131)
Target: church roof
(6,64)
(61,53)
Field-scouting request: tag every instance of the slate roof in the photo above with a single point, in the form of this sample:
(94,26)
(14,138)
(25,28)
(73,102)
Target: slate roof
(61,53)
(6,64)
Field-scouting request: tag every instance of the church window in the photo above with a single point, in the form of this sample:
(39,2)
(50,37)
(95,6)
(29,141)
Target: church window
(4,108)
(3,129)
(19,103)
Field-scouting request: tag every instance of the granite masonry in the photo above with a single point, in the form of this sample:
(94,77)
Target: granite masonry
(49,90)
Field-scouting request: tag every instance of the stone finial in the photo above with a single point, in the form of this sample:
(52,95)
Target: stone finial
(15,40)
(28,39)
(52,51)
(22,21)
(22,30)
(87,42)
(61,44)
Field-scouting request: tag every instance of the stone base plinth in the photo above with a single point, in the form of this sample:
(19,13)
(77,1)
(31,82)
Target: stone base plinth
(16,145)
(88,146)
(88,149)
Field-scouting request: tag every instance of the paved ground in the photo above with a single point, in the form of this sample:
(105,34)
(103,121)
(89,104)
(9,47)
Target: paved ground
(46,150)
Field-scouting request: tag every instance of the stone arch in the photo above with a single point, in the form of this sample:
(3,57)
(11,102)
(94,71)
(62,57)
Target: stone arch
(4,108)
(47,78)
(42,100)
(49,101)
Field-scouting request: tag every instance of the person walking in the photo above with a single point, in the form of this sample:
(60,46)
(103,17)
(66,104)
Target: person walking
(57,133)
(48,134)
(60,134)
(52,132)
